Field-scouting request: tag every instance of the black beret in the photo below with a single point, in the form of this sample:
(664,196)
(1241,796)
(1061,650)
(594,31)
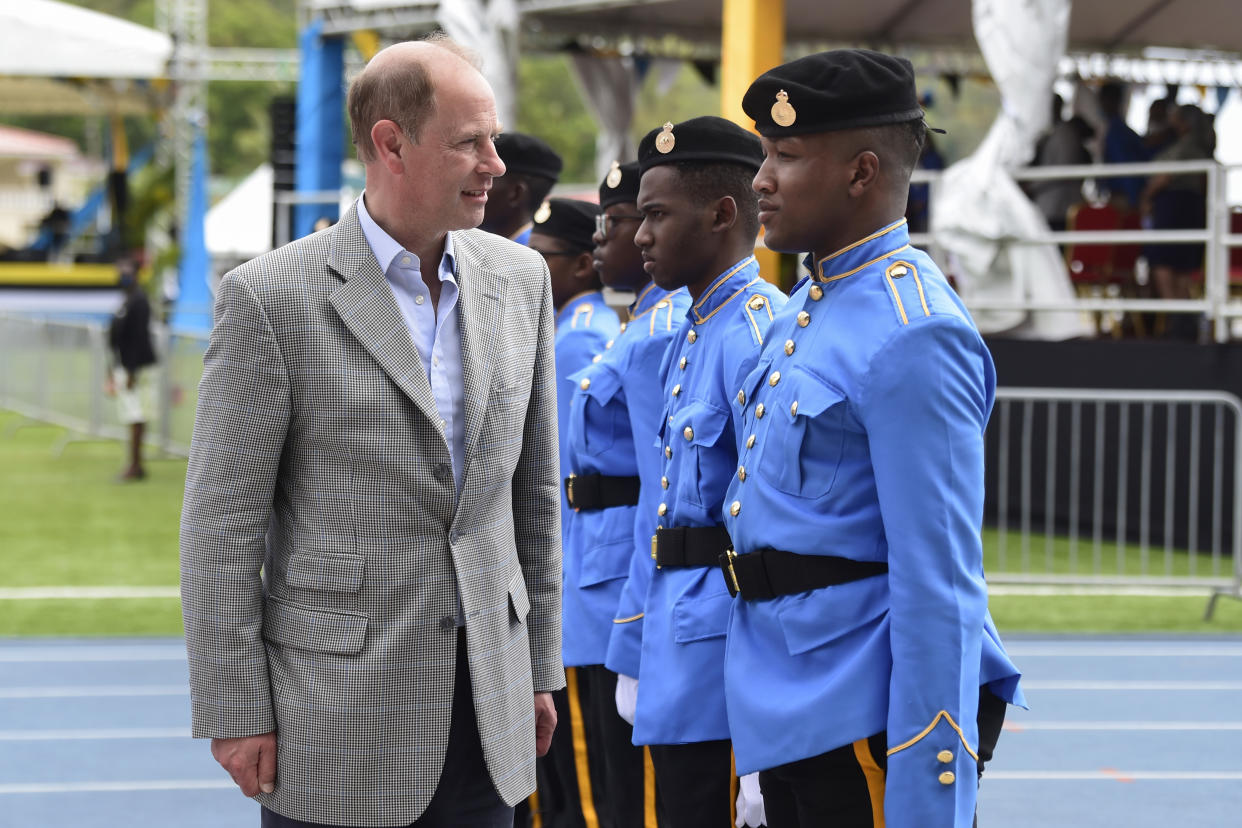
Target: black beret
(703,140)
(841,89)
(527,154)
(568,219)
(620,185)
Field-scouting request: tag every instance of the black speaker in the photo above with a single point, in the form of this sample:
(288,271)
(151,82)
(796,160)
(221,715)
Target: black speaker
(283,113)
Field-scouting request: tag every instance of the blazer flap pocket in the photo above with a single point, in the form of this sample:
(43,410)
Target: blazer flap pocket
(518,598)
(824,615)
(701,617)
(325,572)
(319,630)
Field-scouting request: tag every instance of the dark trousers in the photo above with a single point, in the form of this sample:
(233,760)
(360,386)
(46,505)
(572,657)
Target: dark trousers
(465,796)
(844,787)
(696,783)
(622,782)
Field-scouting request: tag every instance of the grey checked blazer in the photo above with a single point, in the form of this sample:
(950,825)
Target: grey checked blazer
(322,542)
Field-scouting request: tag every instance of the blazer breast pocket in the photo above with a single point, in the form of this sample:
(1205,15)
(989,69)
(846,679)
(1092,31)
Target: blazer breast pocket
(806,438)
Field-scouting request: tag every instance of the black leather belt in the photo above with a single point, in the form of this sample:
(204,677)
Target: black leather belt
(689,545)
(590,492)
(771,572)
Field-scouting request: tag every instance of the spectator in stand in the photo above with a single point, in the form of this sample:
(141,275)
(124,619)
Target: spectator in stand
(1176,201)
(1160,132)
(130,351)
(1063,144)
(1122,145)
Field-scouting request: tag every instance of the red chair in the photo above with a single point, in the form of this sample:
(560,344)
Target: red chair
(1091,265)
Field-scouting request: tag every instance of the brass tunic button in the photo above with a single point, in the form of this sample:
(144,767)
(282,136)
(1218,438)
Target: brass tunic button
(585,384)
(789,347)
(690,337)
(623,326)
(756,303)
(899,271)
(608,344)
(663,510)
(668,451)
(804,319)
(741,398)
(817,293)
(663,303)
(750,441)
(597,358)
(759,410)
(793,409)
(663,482)
(947,778)
(945,756)
(774,379)
(689,432)
(676,389)
(682,364)
(735,507)
(741,473)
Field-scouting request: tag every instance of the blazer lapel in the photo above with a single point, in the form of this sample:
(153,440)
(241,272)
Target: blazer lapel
(481,313)
(366,305)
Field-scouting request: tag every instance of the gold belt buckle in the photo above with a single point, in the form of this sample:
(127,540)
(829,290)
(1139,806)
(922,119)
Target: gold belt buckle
(730,556)
(569,490)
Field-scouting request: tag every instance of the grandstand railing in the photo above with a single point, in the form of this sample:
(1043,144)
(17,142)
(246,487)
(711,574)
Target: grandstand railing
(1115,488)
(1216,304)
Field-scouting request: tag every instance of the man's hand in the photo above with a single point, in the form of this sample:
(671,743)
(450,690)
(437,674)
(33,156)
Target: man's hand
(545,723)
(251,760)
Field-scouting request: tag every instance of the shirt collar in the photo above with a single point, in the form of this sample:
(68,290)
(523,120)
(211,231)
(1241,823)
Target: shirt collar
(723,288)
(386,248)
(847,261)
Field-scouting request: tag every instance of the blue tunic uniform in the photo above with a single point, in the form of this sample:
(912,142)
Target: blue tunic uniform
(861,436)
(584,326)
(613,400)
(686,609)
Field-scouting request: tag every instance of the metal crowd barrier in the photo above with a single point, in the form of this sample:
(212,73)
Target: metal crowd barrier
(55,371)
(1116,488)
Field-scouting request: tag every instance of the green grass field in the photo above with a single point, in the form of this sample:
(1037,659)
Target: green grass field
(65,521)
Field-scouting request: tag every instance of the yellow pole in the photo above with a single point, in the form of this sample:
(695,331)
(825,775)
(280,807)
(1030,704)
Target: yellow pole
(752,40)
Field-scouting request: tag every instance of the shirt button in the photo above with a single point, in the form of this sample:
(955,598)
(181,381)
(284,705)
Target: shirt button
(435,360)
(418,300)
(443,424)
(750,441)
(689,432)
(585,384)
(735,507)
(690,337)
(405,260)
(945,756)
(759,409)
(817,293)
(789,347)
(804,319)
(774,379)
(947,778)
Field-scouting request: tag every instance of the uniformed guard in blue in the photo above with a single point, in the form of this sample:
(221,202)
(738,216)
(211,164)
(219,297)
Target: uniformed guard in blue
(701,221)
(532,168)
(864,676)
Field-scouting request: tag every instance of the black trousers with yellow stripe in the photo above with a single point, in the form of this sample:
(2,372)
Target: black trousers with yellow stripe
(844,787)
(697,783)
(593,775)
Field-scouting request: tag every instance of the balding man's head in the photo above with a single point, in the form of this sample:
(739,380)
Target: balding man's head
(399,84)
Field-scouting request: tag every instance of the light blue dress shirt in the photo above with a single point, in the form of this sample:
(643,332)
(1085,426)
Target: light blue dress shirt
(435,330)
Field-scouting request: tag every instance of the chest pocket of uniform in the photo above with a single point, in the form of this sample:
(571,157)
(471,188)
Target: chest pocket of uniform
(692,435)
(802,450)
(595,423)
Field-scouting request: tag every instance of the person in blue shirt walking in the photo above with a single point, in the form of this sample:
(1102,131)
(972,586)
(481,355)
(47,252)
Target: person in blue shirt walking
(613,416)
(532,169)
(562,234)
(700,222)
(864,678)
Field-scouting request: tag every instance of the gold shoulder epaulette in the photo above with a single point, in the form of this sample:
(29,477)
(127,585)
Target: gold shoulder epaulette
(758,308)
(585,310)
(906,288)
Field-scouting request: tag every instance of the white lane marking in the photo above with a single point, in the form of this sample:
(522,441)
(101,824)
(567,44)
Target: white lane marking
(137,785)
(1018,726)
(94,691)
(1162,686)
(104,652)
(77,593)
(1119,650)
(1113,775)
(94,734)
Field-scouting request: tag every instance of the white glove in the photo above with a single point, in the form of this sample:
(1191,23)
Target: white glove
(627,697)
(750,802)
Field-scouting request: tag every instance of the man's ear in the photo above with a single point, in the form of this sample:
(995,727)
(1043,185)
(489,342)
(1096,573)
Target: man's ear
(389,142)
(724,214)
(864,172)
(519,192)
(584,268)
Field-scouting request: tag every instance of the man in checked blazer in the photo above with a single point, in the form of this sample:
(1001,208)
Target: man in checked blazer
(370,559)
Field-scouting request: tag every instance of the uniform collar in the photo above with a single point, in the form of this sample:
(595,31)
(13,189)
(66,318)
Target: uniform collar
(723,289)
(847,261)
(647,297)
